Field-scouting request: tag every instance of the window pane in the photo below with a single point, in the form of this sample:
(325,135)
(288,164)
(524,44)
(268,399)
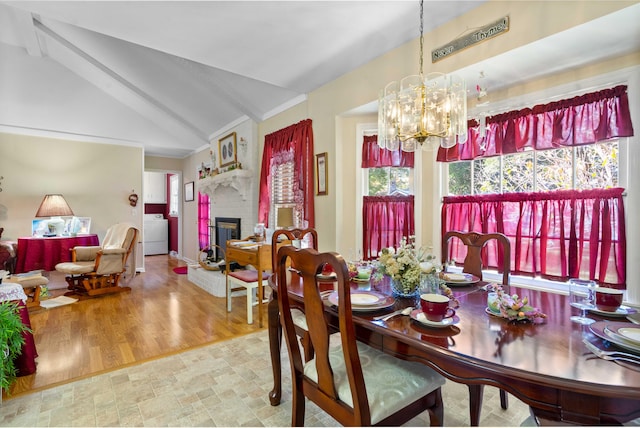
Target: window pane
(460,178)
(517,172)
(486,175)
(400,181)
(378,181)
(554,170)
(597,166)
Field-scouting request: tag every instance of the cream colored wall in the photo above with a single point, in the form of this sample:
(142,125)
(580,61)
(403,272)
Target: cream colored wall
(95,179)
(164,164)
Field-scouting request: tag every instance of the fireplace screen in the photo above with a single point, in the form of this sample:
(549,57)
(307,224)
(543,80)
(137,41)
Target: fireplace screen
(226,228)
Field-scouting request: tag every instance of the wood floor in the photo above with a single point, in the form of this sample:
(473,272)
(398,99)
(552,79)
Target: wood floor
(162,314)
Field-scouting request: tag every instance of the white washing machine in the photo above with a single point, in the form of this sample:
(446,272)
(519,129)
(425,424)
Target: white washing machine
(156,234)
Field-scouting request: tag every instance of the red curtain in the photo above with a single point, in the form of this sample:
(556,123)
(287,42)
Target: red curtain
(385,220)
(204,216)
(585,119)
(297,141)
(557,235)
(375,157)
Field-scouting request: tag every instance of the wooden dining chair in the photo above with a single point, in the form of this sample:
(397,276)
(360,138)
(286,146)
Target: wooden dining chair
(282,237)
(353,382)
(475,242)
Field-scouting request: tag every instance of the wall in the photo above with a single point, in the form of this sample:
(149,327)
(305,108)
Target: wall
(95,179)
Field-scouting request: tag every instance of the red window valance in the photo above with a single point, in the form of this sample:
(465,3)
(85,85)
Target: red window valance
(581,120)
(295,140)
(375,157)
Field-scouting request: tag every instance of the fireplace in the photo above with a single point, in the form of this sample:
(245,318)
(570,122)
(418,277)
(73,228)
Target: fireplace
(225,228)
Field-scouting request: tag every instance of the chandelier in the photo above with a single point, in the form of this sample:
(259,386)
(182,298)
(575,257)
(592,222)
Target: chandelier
(423,111)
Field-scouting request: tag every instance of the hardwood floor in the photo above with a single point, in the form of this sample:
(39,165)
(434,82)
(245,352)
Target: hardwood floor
(162,314)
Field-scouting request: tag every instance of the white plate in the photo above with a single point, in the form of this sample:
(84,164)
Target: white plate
(622,311)
(599,328)
(460,278)
(630,333)
(364,299)
(418,316)
(332,276)
(382,301)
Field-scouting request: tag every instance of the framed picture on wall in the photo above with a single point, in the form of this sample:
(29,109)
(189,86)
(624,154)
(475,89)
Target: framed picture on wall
(188,192)
(227,150)
(322,174)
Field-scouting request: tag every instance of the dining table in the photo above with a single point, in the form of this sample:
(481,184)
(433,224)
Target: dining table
(545,365)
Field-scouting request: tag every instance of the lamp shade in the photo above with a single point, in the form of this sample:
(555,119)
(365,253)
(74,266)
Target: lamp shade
(54,206)
(285,217)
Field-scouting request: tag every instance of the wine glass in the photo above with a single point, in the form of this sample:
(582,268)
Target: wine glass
(581,296)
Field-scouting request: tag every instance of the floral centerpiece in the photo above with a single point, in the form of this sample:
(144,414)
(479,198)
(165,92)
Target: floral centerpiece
(513,307)
(403,266)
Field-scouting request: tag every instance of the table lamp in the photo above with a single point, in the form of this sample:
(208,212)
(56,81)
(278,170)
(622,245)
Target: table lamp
(54,206)
(285,218)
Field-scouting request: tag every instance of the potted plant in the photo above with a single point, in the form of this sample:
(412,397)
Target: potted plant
(11,342)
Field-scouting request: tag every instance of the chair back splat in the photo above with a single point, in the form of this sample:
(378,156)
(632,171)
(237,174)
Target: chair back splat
(385,391)
(475,243)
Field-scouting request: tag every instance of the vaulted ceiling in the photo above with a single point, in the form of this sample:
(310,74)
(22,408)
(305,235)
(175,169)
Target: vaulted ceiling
(170,74)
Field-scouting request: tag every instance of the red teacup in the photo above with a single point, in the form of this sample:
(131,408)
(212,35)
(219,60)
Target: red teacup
(608,299)
(436,307)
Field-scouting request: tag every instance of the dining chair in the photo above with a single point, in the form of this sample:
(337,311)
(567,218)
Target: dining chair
(475,242)
(354,383)
(282,237)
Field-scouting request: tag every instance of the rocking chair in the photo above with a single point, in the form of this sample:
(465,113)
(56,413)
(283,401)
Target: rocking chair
(96,270)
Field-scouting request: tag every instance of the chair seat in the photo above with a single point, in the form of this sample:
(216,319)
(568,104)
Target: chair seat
(381,373)
(249,275)
(76,268)
(299,319)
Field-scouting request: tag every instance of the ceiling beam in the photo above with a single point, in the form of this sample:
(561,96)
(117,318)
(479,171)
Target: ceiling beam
(116,85)
(35,45)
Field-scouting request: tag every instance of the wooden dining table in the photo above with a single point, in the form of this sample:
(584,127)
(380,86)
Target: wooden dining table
(547,366)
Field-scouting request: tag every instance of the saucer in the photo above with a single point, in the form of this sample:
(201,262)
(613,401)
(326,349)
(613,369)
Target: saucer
(622,311)
(360,280)
(418,316)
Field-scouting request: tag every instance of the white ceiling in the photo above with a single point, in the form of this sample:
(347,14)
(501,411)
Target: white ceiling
(171,74)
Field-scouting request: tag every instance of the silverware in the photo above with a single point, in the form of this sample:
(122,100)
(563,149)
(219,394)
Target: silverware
(611,355)
(405,311)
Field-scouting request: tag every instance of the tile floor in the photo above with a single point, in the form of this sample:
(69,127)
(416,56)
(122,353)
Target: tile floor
(224,384)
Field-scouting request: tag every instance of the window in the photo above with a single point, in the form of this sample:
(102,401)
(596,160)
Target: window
(593,166)
(388,202)
(173,195)
(390,181)
(204,220)
(282,192)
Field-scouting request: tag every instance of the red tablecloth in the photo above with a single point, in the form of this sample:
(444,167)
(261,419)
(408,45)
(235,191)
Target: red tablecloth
(26,361)
(46,253)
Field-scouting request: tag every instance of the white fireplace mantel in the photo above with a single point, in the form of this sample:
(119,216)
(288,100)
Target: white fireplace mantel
(239,179)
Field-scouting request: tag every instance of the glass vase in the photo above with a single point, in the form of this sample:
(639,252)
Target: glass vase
(402,288)
(430,283)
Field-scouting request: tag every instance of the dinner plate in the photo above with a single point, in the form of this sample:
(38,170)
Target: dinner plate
(418,316)
(598,328)
(630,334)
(365,300)
(621,312)
(331,277)
(453,279)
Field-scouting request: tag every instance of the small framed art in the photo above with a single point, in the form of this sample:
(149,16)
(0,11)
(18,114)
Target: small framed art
(188,192)
(227,150)
(322,174)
